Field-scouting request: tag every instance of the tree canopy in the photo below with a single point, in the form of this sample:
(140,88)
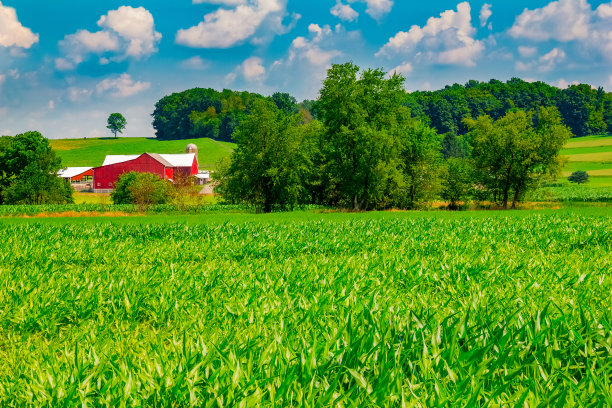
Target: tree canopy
(116,123)
(28,171)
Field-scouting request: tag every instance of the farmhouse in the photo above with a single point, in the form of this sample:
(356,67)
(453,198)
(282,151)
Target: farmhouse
(166,166)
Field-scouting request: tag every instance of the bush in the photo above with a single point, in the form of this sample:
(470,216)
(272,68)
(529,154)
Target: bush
(579,177)
(142,189)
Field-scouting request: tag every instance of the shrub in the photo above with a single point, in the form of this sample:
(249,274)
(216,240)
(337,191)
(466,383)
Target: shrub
(142,189)
(579,177)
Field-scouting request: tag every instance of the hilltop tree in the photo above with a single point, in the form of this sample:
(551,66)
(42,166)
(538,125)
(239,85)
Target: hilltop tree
(116,123)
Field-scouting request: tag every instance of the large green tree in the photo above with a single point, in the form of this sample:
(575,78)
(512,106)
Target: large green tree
(374,148)
(512,153)
(271,162)
(28,171)
(116,123)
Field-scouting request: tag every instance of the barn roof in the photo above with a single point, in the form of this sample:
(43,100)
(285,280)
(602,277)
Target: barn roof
(168,160)
(119,158)
(179,160)
(70,172)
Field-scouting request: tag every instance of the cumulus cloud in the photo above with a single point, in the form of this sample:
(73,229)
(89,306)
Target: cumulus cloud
(545,63)
(122,86)
(569,21)
(376,9)
(485,13)
(344,12)
(125,33)
(225,28)
(310,49)
(402,69)
(195,63)
(12,33)
(563,20)
(562,84)
(549,60)
(447,39)
(527,52)
(252,70)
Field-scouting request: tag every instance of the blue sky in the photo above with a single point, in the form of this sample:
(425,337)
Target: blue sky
(65,66)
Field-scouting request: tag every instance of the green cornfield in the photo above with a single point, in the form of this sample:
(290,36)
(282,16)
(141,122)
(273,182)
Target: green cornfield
(304,309)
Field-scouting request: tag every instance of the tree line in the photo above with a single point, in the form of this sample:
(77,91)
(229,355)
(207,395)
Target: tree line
(202,112)
(366,149)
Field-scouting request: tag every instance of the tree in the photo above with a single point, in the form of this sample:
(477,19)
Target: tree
(142,189)
(579,177)
(362,139)
(28,171)
(456,181)
(285,102)
(514,152)
(116,123)
(270,163)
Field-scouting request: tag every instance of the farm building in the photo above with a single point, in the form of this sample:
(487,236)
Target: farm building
(80,177)
(166,166)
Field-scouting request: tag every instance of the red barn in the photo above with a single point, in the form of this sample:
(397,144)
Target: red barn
(164,165)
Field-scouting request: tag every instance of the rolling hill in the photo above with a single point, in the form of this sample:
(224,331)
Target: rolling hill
(91,152)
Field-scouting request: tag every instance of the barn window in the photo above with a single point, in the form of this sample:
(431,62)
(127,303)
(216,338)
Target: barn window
(110,184)
(99,184)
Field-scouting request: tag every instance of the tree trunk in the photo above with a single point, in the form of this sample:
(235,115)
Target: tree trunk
(515,199)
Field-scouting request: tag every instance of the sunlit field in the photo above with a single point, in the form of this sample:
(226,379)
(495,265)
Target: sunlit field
(368,309)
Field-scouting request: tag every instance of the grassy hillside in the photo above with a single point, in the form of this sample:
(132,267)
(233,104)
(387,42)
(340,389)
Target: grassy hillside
(91,152)
(592,154)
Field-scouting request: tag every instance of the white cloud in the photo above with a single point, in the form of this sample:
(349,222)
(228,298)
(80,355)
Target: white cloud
(222,2)
(225,28)
(51,105)
(12,33)
(485,13)
(136,27)
(563,20)
(2,80)
(195,63)
(78,94)
(125,33)
(527,52)
(402,69)
(562,84)
(121,87)
(376,9)
(344,11)
(310,50)
(251,69)
(447,39)
(551,59)
(604,10)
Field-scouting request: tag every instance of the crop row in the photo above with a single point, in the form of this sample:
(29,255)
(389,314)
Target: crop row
(414,311)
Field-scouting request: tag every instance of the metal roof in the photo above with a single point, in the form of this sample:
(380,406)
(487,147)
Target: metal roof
(168,160)
(70,172)
(179,160)
(119,158)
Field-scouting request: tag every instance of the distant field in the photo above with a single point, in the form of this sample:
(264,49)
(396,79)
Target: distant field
(91,152)
(592,154)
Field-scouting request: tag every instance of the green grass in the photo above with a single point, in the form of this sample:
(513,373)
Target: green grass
(589,141)
(308,309)
(91,152)
(586,150)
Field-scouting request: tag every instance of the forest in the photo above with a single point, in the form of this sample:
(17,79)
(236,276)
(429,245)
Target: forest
(209,113)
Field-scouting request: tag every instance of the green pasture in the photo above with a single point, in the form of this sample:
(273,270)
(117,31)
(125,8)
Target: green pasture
(91,152)
(308,309)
